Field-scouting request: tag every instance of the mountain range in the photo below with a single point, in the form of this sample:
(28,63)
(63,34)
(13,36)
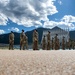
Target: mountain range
(4,38)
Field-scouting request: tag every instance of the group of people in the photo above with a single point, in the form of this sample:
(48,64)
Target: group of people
(55,44)
(47,42)
(50,44)
(23,40)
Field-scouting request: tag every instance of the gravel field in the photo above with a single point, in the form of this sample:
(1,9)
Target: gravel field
(16,62)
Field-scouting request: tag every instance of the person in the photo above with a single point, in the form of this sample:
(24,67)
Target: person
(48,41)
(63,43)
(26,42)
(22,40)
(11,40)
(73,44)
(44,43)
(52,43)
(56,42)
(66,44)
(35,40)
(69,44)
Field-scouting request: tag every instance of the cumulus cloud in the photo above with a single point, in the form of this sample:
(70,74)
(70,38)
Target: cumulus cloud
(27,12)
(65,22)
(68,18)
(14,29)
(2,31)
(3,19)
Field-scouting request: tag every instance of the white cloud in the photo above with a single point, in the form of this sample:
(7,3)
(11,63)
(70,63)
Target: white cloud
(66,21)
(2,31)
(5,2)
(60,2)
(14,29)
(3,19)
(68,18)
(27,12)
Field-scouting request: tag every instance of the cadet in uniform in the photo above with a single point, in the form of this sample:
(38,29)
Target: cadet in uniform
(44,43)
(48,41)
(63,43)
(26,42)
(66,45)
(73,44)
(22,40)
(52,43)
(56,42)
(11,40)
(69,44)
(35,40)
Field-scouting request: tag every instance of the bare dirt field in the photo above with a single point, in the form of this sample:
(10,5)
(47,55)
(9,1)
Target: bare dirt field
(16,62)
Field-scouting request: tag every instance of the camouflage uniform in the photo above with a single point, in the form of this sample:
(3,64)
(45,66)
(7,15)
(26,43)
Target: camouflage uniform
(52,43)
(22,40)
(66,45)
(69,44)
(35,40)
(26,42)
(73,44)
(56,42)
(11,40)
(63,43)
(48,41)
(44,43)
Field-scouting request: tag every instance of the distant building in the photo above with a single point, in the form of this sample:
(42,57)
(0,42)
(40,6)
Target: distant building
(60,32)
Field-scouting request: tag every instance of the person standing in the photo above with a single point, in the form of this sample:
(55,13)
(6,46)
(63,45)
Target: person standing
(63,43)
(26,42)
(35,40)
(44,43)
(69,44)
(56,42)
(52,43)
(73,44)
(48,41)
(22,40)
(11,40)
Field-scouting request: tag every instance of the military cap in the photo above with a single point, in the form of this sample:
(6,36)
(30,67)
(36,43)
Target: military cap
(22,30)
(11,31)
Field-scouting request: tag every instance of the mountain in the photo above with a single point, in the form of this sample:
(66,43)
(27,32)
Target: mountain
(56,28)
(4,38)
(72,35)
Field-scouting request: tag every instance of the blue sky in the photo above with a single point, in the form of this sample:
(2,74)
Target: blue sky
(16,15)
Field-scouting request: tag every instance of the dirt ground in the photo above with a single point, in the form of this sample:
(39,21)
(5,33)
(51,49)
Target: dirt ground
(19,62)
